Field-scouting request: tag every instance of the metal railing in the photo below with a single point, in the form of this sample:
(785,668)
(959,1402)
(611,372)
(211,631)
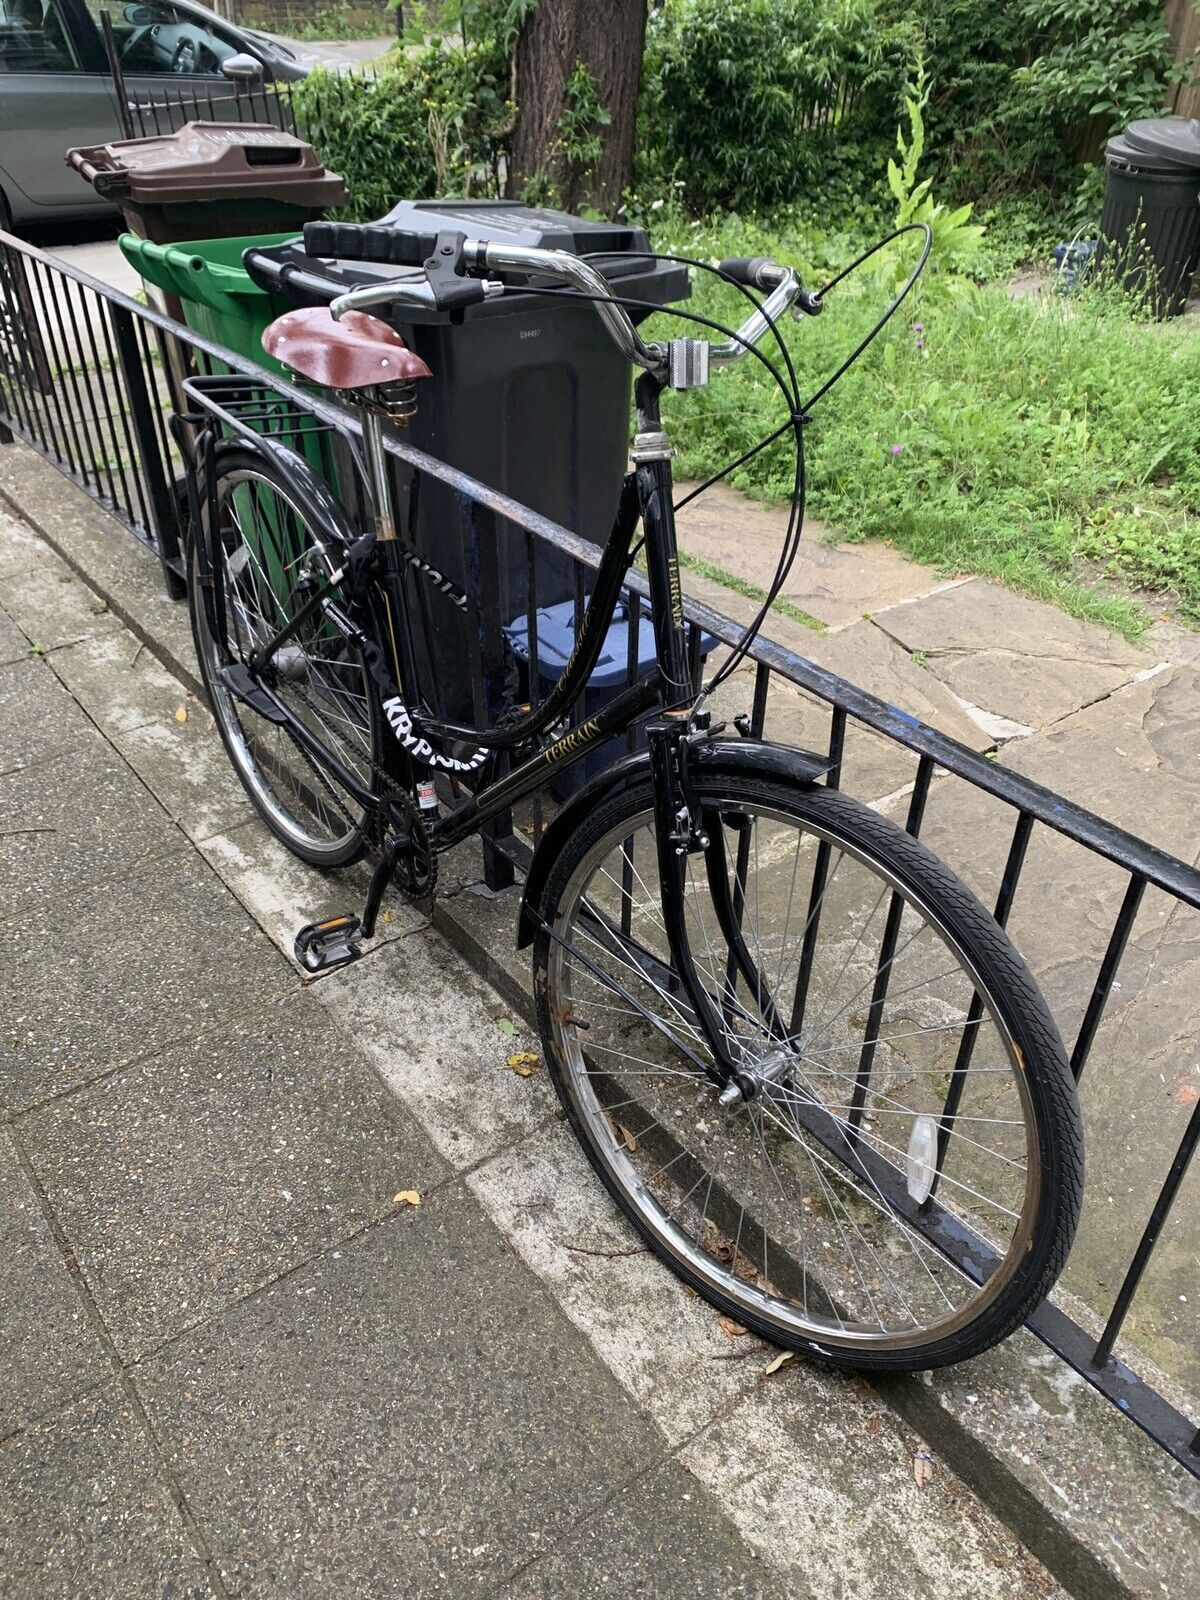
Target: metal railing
(87,377)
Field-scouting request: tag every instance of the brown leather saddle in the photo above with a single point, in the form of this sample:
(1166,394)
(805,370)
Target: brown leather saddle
(359,352)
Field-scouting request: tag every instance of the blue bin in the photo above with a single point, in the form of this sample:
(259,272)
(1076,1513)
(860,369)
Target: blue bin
(610,676)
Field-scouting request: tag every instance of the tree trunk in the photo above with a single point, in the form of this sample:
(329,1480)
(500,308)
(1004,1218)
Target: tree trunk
(608,36)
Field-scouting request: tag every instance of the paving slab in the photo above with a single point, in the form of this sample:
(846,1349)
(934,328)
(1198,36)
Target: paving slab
(654,1540)
(805,1477)
(83,1515)
(865,656)
(50,1350)
(190,1180)
(185,766)
(1012,656)
(40,722)
(122,971)
(95,544)
(75,822)
(836,583)
(1133,757)
(283,894)
(431,1028)
(20,546)
(1087,1490)
(841,1510)
(120,684)
(14,646)
(432,1440)
(52,606)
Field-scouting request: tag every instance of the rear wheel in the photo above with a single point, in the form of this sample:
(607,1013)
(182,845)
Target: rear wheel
(269,558)
(902,1185)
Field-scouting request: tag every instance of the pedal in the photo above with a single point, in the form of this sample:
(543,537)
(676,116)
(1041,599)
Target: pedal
(324,946)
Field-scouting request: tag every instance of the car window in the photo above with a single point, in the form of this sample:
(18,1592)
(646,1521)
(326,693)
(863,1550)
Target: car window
(162,39)
(33,38)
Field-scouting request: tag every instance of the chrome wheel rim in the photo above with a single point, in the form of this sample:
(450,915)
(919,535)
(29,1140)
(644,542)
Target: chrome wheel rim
(790,1281)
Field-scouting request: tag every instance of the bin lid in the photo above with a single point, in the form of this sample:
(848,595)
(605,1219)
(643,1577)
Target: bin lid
(289,271)
(1158,144)
(210,161)
(556,642)
(535,227)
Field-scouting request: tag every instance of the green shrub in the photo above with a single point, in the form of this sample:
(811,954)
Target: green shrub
(432,124)
(1025,94)
(749,104)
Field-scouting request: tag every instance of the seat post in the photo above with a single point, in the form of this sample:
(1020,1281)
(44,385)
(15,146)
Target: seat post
(378,478)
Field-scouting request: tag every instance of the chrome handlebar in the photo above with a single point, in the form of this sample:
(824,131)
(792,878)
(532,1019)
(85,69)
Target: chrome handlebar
(479,257)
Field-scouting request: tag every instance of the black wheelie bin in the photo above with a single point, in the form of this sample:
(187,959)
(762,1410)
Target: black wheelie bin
(1151,223)
(528,394)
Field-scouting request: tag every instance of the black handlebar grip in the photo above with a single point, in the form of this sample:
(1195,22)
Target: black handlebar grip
(744,269)
(352,241)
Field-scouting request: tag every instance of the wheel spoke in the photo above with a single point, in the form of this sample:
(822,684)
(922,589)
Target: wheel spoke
(793,1205)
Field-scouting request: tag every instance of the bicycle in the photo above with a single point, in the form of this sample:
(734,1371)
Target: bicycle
(805,1061)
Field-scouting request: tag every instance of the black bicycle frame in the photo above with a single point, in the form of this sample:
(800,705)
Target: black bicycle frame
(646,497)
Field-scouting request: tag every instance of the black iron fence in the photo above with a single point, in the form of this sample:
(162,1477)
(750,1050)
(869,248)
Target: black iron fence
(87,378)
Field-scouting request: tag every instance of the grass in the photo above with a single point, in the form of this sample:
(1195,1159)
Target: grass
(730,580)
(1017,439)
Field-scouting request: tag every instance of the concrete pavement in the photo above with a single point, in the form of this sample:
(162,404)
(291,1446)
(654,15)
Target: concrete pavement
(236,1362)
(285,1382)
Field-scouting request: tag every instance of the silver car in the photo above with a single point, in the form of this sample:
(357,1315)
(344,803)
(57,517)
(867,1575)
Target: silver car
(57,89)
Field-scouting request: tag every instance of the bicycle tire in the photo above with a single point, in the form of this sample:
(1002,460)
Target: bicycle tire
(317,821)
(1038,1070)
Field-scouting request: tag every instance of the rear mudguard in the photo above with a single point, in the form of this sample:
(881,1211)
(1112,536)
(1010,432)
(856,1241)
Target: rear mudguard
(319,500)
(747,758)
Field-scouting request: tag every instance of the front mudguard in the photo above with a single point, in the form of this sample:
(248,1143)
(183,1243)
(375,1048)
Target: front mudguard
(748,758)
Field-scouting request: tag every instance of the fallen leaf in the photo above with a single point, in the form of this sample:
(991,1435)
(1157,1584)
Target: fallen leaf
(99,607)
(407,1197)
(781,1360)
(507,1028)
(524,1063)
(735,1330)
(923,1466)
(874,1425)
(180,713)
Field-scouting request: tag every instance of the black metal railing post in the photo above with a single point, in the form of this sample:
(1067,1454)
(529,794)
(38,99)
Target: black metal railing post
(486,643)
(164,516)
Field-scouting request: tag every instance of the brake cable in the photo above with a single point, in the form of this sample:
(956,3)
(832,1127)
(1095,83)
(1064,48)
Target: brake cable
(798,414)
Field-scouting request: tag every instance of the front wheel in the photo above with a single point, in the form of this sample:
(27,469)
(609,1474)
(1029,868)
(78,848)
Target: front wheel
(901,1185)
